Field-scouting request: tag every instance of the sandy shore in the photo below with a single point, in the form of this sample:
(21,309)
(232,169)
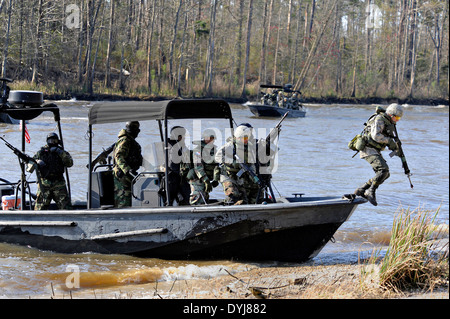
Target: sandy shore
(299,282)
(306,282)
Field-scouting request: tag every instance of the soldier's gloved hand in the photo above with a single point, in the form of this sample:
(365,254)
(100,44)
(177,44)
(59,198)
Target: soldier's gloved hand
(214,183)
(56,149)
(392,145)
(208,186)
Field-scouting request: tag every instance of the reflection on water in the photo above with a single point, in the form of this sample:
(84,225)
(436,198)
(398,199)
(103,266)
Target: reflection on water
(313,159)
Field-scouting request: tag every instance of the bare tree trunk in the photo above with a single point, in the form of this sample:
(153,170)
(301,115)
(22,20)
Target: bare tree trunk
(275,61)
(149,49)
(91,20)
(80,46)
(413,47)
(239,41)
(121,74)
(368,41)
(293,66)
(108,51)
(289,36)
(262,65)
(312,51)
(180,64)
(34,77)
(94,63)
(172,46)
(337,37)
(5,49)
(269,31)
(160,49)
(138,25)
(247,51)
(399,53)
(211,50)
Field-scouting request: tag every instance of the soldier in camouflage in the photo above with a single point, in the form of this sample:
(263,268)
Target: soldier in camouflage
(51,161)
(205,174)
(179,167)
(127,160)
(378,134)
(243,189)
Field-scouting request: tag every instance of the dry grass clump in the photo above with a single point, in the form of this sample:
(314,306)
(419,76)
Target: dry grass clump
(412,259)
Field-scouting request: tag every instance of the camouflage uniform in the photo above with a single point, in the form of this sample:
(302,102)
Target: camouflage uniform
(52,184)
(377,134)
(238,190)
(179,166)
(127,159)
(205,173)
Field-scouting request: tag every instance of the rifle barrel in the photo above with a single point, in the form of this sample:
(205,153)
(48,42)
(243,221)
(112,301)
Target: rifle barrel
(401,154)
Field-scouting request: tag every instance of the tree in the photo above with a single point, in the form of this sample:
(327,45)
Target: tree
(247,50)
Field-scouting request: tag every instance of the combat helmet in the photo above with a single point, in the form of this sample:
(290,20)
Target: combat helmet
(208,134)
(395,110)
(132,128)
(243,132)
(177,133)
(52,139)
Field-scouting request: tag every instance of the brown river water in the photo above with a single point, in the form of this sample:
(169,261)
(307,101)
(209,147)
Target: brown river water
(313,159)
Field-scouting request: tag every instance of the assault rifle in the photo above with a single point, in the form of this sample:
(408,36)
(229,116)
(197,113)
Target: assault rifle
(246,169)
(399,153)
(276,130)
(21,155)
(27,159)
(101,158)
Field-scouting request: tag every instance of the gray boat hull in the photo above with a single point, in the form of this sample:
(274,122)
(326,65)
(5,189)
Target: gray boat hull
(261,110)
(294,229)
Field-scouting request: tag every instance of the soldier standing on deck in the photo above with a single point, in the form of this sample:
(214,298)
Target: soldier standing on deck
(205,174)
(52,160)
(179,166)
(127,160)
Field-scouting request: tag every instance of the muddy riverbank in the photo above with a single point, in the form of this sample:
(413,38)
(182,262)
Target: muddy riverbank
(314,100)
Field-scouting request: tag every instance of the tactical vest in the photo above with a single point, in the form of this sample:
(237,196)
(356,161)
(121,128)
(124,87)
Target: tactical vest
(134,158)
(54,164)
(388,128)
(211,164)
(234,167)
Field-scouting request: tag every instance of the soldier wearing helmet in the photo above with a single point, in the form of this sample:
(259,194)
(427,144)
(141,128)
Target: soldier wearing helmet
(204,174)
(179,166)
(238,188)
(52,160)
(378,133)
(127,160)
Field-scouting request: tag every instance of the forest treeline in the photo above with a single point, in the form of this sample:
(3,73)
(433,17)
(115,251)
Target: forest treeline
(227,48)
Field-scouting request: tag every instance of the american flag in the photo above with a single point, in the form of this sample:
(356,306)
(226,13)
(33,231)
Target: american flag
(27,135)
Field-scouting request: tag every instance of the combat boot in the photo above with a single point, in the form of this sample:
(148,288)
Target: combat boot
(370,195)
(360,190)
